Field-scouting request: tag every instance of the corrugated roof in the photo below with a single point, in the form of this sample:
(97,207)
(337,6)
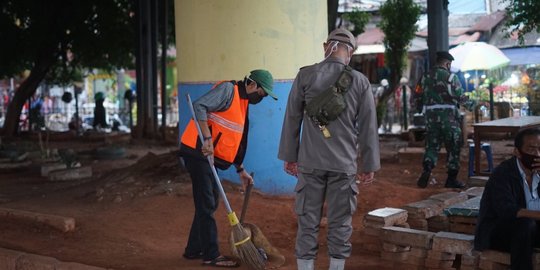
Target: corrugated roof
(370,37)
(488,22)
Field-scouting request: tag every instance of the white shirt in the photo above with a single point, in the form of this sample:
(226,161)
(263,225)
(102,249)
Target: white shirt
(531,198)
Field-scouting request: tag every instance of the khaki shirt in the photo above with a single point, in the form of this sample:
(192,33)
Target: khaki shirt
(354,132)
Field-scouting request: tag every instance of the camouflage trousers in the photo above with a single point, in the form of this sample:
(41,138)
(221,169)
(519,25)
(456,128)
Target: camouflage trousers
(442,127)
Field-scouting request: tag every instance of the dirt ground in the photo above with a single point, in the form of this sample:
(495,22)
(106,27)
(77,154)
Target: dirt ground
(136,211)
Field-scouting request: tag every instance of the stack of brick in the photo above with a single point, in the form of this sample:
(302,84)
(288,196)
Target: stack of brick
(462,216)
(404,248)
(452,251)
(440,222)
(495,260)
(375,220)
(421,211)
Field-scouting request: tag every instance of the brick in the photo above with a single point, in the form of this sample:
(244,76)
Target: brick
(495,256)
(407,237)
(372,231)
(418,224)
(489,265)
(372,224)
(431,263)
(418,252)
(441,256)
(449,198)
(470,260)
(424,209)
(395,248)
(453,243)
(387,216)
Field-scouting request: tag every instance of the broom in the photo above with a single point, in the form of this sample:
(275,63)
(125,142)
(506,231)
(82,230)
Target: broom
(247,252)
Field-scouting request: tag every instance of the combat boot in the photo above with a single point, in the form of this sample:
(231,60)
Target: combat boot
(451,181)
(424,177)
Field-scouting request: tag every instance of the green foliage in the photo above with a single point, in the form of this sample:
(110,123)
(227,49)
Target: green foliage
(74,34)
(523,16)
(359,19)
(398,23)
(399,26)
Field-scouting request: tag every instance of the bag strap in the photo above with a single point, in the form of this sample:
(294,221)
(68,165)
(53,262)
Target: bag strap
(344,81)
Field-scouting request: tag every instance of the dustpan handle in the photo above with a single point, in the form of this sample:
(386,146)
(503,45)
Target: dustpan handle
(247,194)
(210,160)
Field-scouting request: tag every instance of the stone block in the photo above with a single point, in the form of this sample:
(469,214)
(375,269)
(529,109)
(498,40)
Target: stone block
(71,174)
(449,198)
(64,224)
(418,224)
(50,167)
(395,248)
(407,237)
(495,256)
(387,216)
(441,256)
(424,209)
(453,243)
(474,192)
(477,181)
(489,265)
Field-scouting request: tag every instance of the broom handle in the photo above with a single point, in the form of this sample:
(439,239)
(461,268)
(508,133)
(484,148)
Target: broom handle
(247,194)
(214,172)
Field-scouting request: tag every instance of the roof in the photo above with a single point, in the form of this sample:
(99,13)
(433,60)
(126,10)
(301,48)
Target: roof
(488,22)
(523,55)
(370,37)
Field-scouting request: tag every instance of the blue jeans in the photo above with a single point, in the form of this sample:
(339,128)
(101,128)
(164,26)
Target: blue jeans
(203,237)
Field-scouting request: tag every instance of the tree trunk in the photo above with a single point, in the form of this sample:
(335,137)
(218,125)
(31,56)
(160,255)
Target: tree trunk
(25,91)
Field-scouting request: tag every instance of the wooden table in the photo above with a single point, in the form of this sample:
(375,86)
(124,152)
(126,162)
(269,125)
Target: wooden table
(505,125)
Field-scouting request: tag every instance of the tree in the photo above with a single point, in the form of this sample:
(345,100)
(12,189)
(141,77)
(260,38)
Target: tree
(398,23)
(359,19)
(524,16)
(55,39)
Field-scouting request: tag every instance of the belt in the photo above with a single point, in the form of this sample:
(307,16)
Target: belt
(440,106)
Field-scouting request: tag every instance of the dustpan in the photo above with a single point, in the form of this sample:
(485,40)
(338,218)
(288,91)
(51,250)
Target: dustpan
(274,258)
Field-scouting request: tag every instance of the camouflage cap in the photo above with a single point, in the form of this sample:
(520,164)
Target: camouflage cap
(444,55)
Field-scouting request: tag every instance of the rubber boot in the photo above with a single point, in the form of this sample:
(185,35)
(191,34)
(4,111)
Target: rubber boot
(305,264)
(336,264)
(424,177)
(451,181)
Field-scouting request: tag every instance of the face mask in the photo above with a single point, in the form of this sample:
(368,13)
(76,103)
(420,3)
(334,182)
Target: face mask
(254,98)
(527,160)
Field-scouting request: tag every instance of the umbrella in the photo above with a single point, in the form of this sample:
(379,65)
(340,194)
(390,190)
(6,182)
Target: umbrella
(477,56)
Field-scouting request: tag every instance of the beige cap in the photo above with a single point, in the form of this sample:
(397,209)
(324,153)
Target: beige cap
(342,35)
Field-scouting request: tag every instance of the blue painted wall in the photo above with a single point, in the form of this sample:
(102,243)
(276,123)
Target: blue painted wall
(265,121)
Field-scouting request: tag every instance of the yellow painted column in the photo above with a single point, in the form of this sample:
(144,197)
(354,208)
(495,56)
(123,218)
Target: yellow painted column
(226,39)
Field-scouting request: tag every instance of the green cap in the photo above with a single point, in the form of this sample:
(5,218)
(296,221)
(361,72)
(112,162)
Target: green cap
(98,96)
(265,80)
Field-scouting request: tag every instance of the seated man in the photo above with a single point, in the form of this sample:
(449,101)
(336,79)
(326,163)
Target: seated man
(510,205)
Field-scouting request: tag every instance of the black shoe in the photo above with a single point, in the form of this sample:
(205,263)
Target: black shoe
(424,179)
(454,184)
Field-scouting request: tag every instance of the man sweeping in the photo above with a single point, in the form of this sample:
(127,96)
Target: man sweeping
(222,114)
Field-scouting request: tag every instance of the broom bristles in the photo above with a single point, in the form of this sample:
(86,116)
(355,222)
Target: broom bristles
(247,252)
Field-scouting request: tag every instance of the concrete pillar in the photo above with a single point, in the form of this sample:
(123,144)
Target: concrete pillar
(437,28)
(224,40)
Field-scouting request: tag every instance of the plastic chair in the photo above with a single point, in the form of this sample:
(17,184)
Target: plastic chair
(486,147)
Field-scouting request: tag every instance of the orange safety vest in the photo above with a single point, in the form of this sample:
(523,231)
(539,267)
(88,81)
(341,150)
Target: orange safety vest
(227,128)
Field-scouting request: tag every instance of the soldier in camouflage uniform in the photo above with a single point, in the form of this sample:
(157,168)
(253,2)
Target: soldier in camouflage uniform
(441,97)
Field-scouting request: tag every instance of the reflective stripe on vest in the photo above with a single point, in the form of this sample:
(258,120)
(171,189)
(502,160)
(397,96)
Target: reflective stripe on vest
(227,128)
